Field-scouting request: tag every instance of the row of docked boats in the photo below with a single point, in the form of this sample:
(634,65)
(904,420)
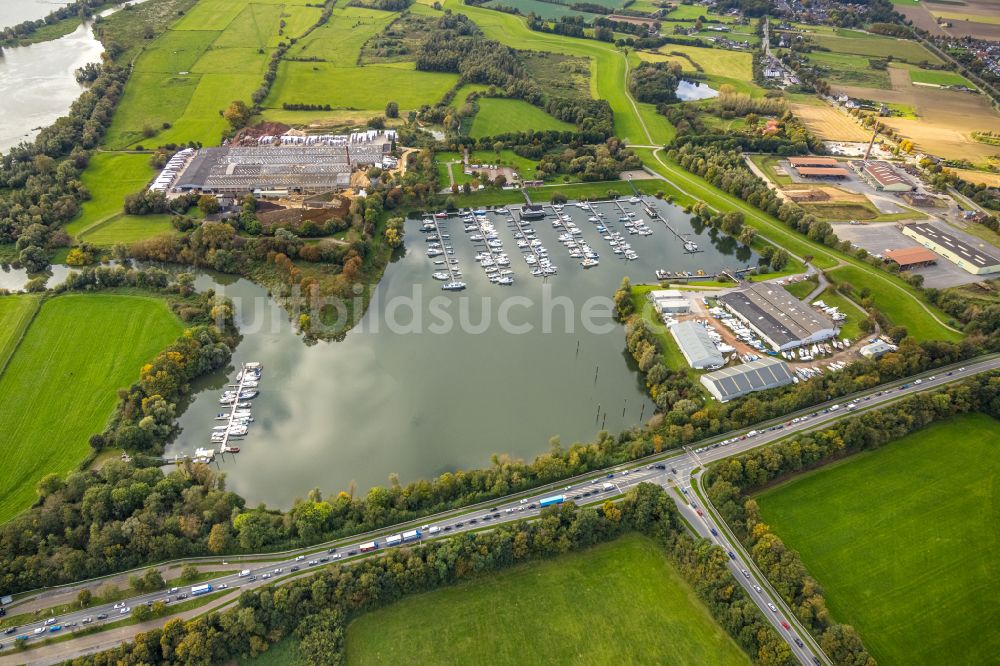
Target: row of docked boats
(489,255)
(446,270)
(572,238)
(239,417)
(532,250)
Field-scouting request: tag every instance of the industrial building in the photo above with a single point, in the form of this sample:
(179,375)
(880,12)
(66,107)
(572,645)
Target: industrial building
(810,161)
(911,257)
(760,375)
(823,172)
(966,256)
(877,349)
(781,320)
(276,169)
(882,176)
(696,346)
(670,301)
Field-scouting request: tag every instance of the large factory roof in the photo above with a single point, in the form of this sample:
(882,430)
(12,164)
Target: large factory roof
(936,236)
(322,167)
(774,312)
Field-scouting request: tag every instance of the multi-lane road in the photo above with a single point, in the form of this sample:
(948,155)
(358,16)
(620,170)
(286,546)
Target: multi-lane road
(674,471)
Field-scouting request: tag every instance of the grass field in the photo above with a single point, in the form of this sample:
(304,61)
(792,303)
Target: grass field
(16,312)
(340,39)
(939,78)
(214,54)
(875,46)
(619,602)
(128,229)
(110,177)
(850,70)
(368,87)
(903,540)
(802,288)
(900,311)
(716,62)
(78,351)
(546,10)
(498,116)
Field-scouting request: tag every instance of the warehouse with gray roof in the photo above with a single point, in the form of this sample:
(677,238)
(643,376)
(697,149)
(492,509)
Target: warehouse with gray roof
(781,320)
(285,168)
(731,383)
(696,346)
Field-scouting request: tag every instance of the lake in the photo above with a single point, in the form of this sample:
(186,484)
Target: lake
(689,91)
(405,392)
(19,11)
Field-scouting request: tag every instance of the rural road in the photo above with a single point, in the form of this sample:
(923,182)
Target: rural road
(672,470)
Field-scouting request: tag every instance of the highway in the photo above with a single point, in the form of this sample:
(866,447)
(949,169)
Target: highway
(673,470)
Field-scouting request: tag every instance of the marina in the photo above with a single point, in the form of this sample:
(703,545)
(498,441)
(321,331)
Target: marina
(436,246)
(572,238)
(438,389)
(534,253)
(483,234)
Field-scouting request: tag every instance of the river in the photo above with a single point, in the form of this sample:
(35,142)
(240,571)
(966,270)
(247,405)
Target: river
(37,82)
(404,397)
(19,11)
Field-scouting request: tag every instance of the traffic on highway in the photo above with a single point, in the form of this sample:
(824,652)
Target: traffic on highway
(677,471)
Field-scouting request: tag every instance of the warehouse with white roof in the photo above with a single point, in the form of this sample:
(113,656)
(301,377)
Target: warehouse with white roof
(696,346)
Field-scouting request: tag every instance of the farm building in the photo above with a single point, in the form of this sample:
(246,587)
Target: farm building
(882,176)
(965,255)
(911,257)
(670,301)
(698,349)
(823,172)
(760,375)
(781,320)
(812,162)
(284,168)
(877,349)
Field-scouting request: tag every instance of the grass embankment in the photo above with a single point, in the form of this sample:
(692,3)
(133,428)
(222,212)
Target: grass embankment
(16,312)
(849,328)
(60,385)
(898,296)
(619,602)
(900,311)
(903,541)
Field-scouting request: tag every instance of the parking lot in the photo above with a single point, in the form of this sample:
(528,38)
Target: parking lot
(877,238)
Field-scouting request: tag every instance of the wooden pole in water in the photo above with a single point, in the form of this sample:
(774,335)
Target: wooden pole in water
(623,407)
(577,347)
(604,421)
(596,370)
(598,417)
(642,412)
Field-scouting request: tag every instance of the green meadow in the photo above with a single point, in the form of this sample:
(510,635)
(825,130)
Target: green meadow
(60,385)
(618,602)
(498,116)
(903,540)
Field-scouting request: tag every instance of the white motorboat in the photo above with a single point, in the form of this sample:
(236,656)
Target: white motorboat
(505,280)
(589,263)
(441,275)
(453,286)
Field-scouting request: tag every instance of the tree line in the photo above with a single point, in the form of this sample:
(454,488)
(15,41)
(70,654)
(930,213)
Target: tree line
(315,610)
(40,187)
(729,484)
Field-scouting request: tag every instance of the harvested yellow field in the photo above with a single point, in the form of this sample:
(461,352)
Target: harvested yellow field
(945,118)
(829,123)
(988,178)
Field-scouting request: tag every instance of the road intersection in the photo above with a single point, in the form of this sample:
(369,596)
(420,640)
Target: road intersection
(678,471)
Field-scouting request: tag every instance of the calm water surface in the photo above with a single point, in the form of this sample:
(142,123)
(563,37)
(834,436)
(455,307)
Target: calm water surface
(689,91)
(401,398)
